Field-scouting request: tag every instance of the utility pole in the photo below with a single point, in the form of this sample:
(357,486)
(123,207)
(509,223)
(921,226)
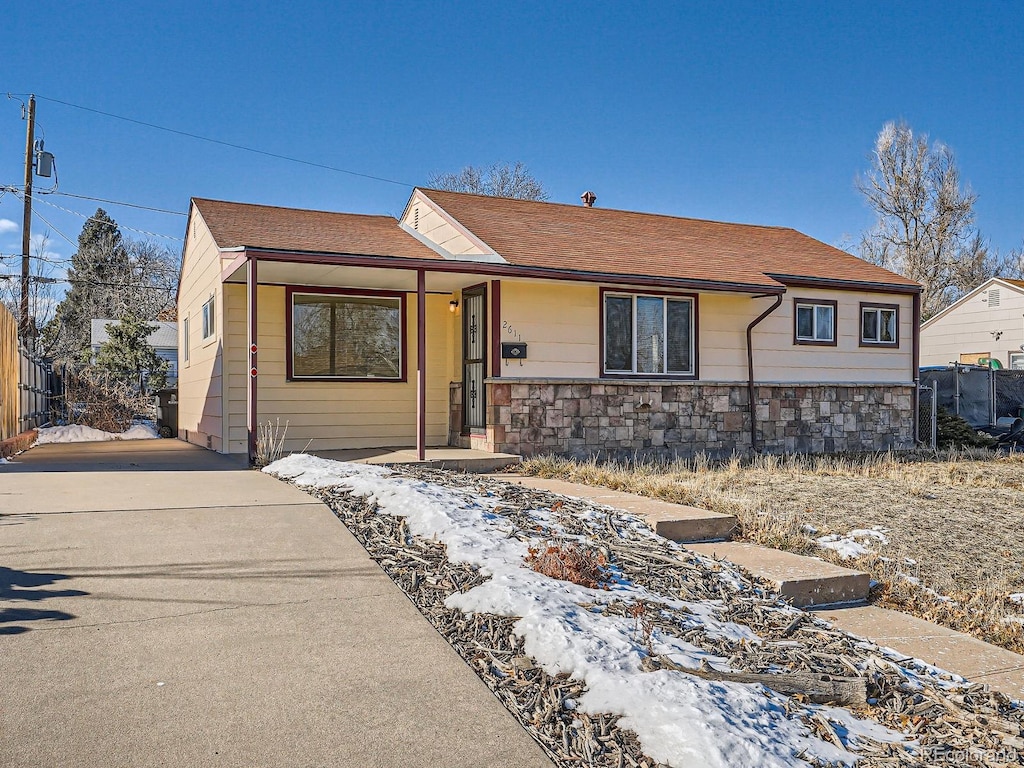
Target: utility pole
(26,228)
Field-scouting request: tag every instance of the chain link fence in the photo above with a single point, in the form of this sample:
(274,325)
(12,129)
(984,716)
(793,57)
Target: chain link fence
(927,417)
(983,397)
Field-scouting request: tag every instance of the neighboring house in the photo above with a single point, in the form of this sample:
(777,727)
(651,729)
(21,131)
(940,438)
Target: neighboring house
(526,327)
(164,341)
(986,324)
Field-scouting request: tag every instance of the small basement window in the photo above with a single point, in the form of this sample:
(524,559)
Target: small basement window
(209,318)
(879,325)
(814,322)
(351,336)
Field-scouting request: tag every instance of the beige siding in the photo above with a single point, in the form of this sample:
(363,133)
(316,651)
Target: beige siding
(435,227)
(724,320)
(332,415)
(560,325)
(200,406)
(971,328)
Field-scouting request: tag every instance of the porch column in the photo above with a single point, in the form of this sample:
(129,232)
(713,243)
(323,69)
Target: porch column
(495,371)
(250,400)
(421,364)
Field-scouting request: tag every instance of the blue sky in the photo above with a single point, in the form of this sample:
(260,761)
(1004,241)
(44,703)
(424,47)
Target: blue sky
(751,112)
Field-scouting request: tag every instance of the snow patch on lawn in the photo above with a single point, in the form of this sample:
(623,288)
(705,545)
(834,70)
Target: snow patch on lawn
(680,720)
(856,543)
(77,433)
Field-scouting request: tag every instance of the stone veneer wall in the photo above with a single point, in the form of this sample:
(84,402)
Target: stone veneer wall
(681,419)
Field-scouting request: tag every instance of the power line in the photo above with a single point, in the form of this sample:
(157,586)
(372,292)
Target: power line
(120,226)
(118,202)
(80,281)
(241,147)
(14,188)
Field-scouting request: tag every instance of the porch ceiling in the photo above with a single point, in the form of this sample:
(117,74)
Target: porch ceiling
(330,275)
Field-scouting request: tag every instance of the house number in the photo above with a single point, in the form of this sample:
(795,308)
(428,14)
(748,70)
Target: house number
(512,332)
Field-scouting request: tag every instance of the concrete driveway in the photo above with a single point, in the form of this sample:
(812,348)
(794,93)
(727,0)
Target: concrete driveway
(161,606)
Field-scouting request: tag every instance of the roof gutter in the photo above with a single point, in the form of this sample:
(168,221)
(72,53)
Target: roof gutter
(843,285)
(750,365)
(506,270)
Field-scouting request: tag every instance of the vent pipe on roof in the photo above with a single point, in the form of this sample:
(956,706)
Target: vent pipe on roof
(588,198)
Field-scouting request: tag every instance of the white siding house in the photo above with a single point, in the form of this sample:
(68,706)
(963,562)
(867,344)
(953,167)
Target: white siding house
(987,323)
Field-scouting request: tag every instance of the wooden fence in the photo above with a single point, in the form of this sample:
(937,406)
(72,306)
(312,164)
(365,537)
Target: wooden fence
(10,375)
(26,383)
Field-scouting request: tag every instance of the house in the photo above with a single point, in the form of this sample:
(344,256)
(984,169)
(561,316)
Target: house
(986,324)
(164,341)
(527,327)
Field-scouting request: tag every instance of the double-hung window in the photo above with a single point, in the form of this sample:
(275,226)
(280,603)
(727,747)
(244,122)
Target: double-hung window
(879,325)
(209,319)
(814,322)
(648,335)
(353,336)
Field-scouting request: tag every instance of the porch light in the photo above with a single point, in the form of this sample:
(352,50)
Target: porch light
(453,306)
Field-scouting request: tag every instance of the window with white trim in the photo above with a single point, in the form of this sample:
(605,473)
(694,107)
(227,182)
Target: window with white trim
(648,335)
(1016,361)
(209,319)
(879,325)
(814,321)
(346,336)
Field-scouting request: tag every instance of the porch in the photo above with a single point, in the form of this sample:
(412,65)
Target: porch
(358,360)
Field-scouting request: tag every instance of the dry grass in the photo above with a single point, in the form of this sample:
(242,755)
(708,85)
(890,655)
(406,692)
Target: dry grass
(953,519)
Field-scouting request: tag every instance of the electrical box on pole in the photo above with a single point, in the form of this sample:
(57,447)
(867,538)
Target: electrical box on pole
(44,161)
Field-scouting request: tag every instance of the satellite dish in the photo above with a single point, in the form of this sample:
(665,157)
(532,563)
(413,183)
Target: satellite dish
(1022,347)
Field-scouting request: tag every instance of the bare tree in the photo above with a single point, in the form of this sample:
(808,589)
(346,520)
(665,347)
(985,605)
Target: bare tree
(42,286)
(925,227)
(154,270)
(499,180)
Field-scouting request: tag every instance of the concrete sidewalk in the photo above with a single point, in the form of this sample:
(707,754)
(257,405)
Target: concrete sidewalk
(160,607)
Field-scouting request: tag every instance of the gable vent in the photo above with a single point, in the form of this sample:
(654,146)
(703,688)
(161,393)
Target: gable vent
(416,218)
(993,298)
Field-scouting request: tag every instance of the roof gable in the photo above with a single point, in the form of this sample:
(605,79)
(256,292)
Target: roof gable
(1014,285)
(559,236)
(245,225)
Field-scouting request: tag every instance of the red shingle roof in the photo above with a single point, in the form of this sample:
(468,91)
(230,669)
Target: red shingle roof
(290,229)
(552,235)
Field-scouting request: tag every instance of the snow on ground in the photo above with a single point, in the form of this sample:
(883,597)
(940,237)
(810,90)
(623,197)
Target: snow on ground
(681,720)
(77,433)
(856,543)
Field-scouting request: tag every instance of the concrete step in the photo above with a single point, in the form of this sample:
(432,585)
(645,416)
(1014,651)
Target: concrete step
(803,581)
(953,651)
(455,459)
(677,522)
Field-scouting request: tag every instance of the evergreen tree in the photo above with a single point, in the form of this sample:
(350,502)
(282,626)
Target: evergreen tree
(99,275)
(128,358)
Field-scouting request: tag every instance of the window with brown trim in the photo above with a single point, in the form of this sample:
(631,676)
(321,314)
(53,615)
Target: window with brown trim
(648,335)
(352,336)
(814,321)
(879,325)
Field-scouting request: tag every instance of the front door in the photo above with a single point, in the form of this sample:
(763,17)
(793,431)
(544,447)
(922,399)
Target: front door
(474,358)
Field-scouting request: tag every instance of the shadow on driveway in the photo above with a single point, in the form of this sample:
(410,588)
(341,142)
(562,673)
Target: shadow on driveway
(21,586)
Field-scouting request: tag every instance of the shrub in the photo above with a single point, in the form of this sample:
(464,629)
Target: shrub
(570,561)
